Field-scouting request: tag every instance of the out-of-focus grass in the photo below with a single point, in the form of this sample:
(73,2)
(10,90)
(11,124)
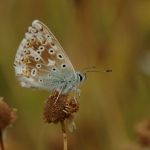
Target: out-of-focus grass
(107,34)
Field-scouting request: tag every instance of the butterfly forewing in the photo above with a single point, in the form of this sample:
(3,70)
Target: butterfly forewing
(40,60)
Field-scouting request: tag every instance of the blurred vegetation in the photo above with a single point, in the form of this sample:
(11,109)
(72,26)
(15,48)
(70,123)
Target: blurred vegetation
(105,33)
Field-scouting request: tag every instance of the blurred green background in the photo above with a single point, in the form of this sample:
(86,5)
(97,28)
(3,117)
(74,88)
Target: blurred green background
(103,33)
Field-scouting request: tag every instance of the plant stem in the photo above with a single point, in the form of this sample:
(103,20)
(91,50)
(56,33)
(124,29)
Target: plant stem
(1,141)
(64,135)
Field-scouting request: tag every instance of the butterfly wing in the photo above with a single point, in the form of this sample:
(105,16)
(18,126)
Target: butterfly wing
(40,60)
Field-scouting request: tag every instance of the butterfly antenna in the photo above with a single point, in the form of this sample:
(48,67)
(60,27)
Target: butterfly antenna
(108,70)
(93,69)
(89,68)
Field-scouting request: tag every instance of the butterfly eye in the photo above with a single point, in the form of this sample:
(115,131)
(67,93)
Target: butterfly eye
(80,77)
(38,65)
(51,51)
(33,72)
(41,48)
(36,58)
(63,66)
(59,56)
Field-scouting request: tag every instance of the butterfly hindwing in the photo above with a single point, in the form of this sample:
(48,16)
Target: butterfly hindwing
(40,60)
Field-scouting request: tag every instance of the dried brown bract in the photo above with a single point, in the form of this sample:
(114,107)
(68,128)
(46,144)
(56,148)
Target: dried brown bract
(59,107)
(143,133)
(7,115)
(7,118)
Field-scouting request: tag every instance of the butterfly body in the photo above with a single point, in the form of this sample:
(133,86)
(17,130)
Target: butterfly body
(42,63)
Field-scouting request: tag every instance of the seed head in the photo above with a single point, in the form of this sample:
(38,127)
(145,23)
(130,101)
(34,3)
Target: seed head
(59,107)
(143,133)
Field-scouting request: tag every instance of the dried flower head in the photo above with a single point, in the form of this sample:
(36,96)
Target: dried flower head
(60,107)
(7,115)
(143,133)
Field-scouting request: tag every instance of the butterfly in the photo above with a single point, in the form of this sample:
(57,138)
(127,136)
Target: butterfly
(42,63)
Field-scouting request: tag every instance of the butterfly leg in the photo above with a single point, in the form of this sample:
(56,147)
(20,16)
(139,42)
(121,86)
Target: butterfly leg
(78,91)
(60,91)
(77,94)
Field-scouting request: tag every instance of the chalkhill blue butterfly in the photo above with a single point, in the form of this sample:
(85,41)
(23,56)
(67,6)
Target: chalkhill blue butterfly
(42,63)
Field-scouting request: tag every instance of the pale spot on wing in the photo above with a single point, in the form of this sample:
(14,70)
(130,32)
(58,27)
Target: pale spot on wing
(23,84)
(37,25)
(63,66)
(29,29)
(38,66)
(59,56)
(41,39)
(41,48)
(50,63)
(33,72)
(36,58)
(24,41)
(54,47)
(54,69)
(51,51)
(39,52)
(49,40)
(32,30)
(28,35)
(18,69)
(40,80)
(35,55)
